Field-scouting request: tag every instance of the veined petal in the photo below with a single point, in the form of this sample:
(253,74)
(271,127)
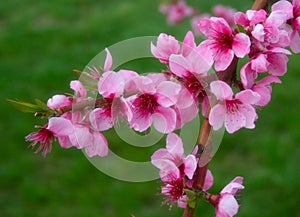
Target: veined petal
(241,45)
(221,90)
(190,165)
(108,61)
(167,93)
(248,97)
(217,116)
(164,119)
(60,126)
(175,145)
(223,59)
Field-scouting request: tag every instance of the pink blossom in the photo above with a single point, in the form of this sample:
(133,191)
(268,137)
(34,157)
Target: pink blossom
(234,112)
(223,42)
(172,159)
(112,86)
(225,12)
(153,105)
(295,22)
(56,128)
(225,203)
(262,87)
(166,45)
(177,170)
(177,11)
(78,135)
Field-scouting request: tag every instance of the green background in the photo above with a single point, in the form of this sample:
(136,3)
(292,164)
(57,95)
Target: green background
(42,41)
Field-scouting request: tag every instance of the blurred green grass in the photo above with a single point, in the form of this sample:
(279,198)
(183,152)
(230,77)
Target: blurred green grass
(42,41)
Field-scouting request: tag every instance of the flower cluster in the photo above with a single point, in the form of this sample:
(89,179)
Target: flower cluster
(177,171)
(170,99)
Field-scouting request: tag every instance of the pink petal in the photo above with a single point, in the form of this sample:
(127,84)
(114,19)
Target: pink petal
(221,90)
(248,97)
(209,181)
(98,147)
(108,61)
(190,165)
(81,137)
(78,88)
(241,45)
(64,142)
(234,120)
(250,114)
(140,122)
(260,63)
(182,201)
(217,116)
(188,43)
(60,126)
(233,187)
(179,65)
(169,171)
(223,59)
(265,95)
(278,64)
(248,76)
(158,157)
(258,32)
(164,119)
(100,119)
(111,84)
(175,145)
(241,19)
(167,93)
(227,206)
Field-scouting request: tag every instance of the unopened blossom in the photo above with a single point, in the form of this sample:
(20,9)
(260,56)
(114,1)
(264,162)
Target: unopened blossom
(177,11)
(232,111)
(223,42)
(165,46)
(225,202)
(59,101)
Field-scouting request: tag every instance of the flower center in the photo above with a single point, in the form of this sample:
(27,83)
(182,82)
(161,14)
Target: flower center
(194,86)
(224,41)
(174,190)
(145,104)
(232,105)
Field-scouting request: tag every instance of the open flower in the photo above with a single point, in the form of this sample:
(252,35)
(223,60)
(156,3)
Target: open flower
(234,112)
(153,104)
(223,42)
(177,11)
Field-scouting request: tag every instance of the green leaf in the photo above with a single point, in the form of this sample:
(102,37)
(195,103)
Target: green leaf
(241,28)
(38,108)
(192,202)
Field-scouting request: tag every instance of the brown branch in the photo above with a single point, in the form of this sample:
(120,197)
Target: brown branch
(228,76)
(260,4)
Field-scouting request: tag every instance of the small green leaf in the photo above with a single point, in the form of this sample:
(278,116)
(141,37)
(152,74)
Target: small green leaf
(24,106)
(241,28)
(192,202)
(39,108)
